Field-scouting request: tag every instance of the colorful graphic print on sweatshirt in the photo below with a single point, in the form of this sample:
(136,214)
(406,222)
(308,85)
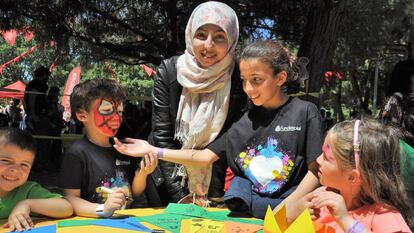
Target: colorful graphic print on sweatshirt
(266,165)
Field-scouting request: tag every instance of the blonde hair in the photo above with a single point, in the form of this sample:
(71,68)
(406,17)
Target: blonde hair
(379,163)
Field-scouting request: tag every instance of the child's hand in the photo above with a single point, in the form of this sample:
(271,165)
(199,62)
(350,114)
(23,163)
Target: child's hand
(115,201)
(148,164)
(19,218)
(307,203)
(332,200)
(134,147)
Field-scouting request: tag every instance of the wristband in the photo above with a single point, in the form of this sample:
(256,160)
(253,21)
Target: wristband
(356,227)
(160,152)
(100,211)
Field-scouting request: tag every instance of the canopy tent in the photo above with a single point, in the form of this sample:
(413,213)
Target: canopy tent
(14,90)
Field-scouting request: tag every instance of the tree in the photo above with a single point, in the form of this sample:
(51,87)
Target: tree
(368,41)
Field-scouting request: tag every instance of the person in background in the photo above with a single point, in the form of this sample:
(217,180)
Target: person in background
(329,120)
(15,114)
(55,116)
(398,109)
(37,122)
(196,98)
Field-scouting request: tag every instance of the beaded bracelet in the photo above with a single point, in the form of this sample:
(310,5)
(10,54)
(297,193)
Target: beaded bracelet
(356,227)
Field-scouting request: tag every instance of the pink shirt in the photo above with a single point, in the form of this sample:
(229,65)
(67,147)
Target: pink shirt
(375,217)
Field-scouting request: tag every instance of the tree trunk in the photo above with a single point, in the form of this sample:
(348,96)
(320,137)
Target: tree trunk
(319,40)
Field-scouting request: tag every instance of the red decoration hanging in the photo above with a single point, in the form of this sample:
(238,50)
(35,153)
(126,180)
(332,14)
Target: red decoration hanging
(17,59)
(10,36)
(28,35)
(328,75)
(147,69)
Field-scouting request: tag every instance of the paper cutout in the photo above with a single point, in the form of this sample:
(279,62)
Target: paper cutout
(186,209)
(127,223)
(45,229)
(276,223)
(75,222)
(236,227)
(201,225)
(169,222)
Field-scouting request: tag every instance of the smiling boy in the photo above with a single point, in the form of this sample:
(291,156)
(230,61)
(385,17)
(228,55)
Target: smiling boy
(19,197)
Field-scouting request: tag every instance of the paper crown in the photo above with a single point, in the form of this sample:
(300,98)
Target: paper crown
(277,223)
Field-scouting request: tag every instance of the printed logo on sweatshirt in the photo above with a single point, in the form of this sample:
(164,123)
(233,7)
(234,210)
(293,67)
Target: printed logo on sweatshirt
(280,128)
(121,162)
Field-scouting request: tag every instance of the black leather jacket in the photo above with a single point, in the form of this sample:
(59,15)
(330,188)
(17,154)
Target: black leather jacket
(166,95)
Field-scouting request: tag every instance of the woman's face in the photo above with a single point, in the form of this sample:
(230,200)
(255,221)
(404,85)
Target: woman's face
(210,45)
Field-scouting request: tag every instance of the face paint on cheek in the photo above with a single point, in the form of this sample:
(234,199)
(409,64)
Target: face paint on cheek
(328,152)
(108,123)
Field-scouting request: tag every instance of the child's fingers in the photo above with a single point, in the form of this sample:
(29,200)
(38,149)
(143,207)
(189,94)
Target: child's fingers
(119,190)
(23,221)
(6,225)
(308,197)
(324,199)
(154,160)
(320,189)
(142,165)
(315,213)
(15,225)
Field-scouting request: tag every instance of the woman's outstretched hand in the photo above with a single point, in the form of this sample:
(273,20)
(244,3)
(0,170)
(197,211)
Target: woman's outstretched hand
(134,147)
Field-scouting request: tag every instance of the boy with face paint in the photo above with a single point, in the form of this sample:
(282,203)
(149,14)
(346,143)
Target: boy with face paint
(91,166)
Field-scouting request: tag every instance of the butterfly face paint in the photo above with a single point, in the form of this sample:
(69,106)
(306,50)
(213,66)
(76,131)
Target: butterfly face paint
(108,116)
(328,152)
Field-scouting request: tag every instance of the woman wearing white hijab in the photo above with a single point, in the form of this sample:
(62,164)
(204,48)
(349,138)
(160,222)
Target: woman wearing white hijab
(197,96)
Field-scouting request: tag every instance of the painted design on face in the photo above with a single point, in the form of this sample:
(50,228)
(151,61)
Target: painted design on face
(108,116)
(267,166)
(326,149)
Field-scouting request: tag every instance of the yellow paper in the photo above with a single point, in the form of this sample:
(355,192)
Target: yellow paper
(277,223)
(214,227)
(200,225)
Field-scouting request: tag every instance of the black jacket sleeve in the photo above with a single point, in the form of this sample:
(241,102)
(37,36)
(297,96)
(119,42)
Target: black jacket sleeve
(166,93)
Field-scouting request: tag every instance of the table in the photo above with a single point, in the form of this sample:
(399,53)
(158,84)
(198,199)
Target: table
(92,229)
(101,229)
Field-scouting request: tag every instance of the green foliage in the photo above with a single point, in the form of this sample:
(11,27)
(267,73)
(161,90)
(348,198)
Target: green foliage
(133,78)
(22,69)
(373,31)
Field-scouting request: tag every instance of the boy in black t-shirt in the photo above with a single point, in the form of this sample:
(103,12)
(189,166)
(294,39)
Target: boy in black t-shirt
(97,180)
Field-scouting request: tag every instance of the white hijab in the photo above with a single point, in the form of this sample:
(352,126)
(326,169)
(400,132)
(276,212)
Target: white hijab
(204,101)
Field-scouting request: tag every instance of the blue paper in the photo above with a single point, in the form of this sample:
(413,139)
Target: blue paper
(45,229)
(127,223)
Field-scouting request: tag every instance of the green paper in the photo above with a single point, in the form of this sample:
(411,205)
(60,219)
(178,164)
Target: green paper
(75,223)
(223,216)
(169,222)
(186,209)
